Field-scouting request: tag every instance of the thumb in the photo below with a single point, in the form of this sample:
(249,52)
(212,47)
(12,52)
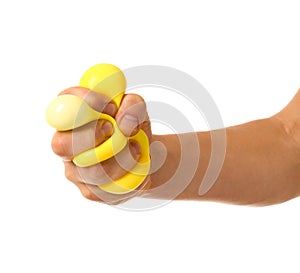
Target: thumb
(131,114)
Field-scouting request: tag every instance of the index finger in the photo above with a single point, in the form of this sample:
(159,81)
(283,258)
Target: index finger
(97,101)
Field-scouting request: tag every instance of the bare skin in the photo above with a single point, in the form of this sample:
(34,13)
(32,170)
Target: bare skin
(261,166)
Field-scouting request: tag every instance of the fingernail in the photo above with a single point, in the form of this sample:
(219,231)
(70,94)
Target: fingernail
(128,123)
(107,129)
(136,147)
(111,109)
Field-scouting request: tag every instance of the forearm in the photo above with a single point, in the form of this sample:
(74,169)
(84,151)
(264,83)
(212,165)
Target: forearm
(261,165)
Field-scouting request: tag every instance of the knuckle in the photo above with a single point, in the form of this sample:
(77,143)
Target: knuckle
(88,194)
(138,103)
(58,145)
(69,174)
(137,98)
(134,101)
(74,90)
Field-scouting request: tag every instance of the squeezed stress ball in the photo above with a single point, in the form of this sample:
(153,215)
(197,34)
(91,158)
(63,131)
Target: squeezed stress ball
(68,112)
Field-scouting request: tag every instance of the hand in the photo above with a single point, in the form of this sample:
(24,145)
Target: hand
(131,116)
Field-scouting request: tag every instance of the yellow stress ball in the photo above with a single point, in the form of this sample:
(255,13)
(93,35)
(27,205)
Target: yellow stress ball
(106,79)
(68,112)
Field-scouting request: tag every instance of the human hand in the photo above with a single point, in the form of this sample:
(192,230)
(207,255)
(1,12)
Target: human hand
(131,116)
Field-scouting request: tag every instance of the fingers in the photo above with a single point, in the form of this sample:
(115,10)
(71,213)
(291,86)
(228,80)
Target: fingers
(70,143)
(97,101)
(105,171)
(132,114)
(131,117)
(93,193)
(87,191)
(86,179)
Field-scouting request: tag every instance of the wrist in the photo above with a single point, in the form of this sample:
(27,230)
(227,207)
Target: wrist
(175,166)
(165,158)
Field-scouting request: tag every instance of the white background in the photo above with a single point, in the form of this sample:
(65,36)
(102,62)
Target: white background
(245,53)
